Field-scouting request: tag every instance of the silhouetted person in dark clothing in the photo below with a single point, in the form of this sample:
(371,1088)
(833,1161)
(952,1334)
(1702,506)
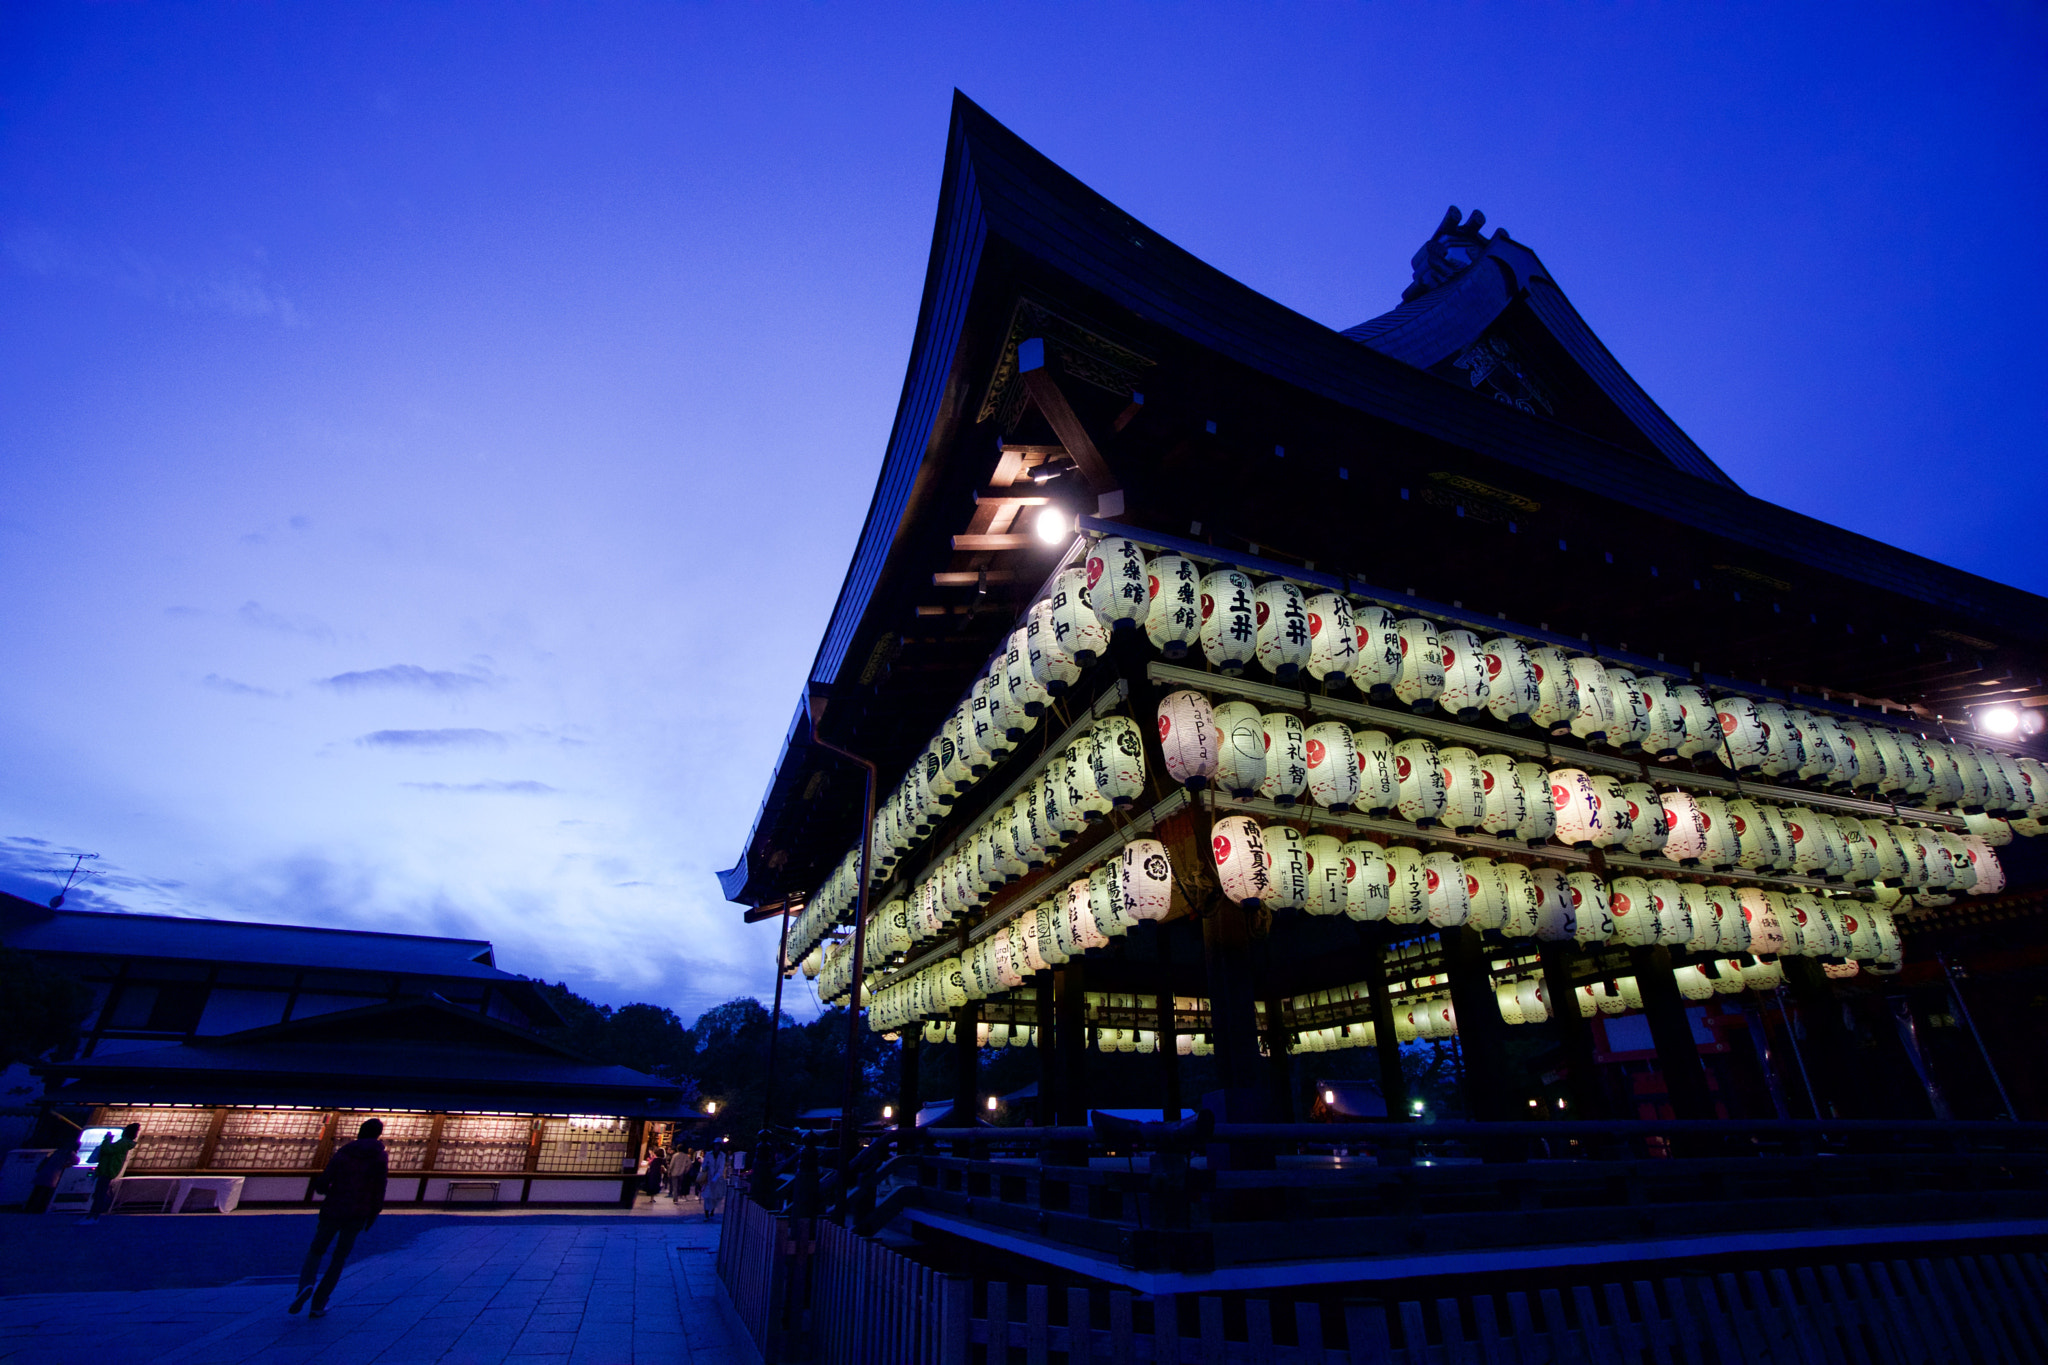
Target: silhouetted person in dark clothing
(353,1184)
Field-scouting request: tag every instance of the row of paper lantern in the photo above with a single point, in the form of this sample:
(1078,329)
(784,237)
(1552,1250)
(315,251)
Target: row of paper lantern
(1102,770)
(1115,896)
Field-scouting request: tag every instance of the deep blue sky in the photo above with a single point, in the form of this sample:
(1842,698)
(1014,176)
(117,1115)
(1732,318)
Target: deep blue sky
(431,437)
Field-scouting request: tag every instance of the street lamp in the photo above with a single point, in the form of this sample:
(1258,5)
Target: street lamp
(991,1104)
(888,1111)
(711,1106)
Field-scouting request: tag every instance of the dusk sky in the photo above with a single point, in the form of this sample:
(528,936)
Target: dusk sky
(432,437)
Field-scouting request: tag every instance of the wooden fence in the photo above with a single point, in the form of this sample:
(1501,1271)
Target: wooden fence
(848,1300)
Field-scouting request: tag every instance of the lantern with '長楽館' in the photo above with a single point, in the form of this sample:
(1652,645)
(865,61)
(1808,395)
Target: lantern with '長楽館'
(1117,588)
(1173,613)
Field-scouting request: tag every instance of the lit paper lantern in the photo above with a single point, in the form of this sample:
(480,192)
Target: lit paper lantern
(1464,789)
(1766,935)
(1087,766)
(1742,733)
(1535,1005)
(1557,701)
(1240,748)
(1052,663)
(1512,693)
(2015,785)
(1024,947)
(1147,879)
(1631,993)
(1646,818)
(1504,806)
(943,790)
(1685,838)
(1106,901)
(1045,927)
(1076,628)
(1286,758)
(2034,776)
(1782,751)
(1332,637)
(1063,812)
(1465,688)
(1697,717)
(1592,917)
(1890,946)
(1635,918)
(1116,579)
(1173,614)
(1993,831)
(1408,895)
(1326,888)
(1239,849)
(1631,723)
(1859,931)
(1443,880)
(1692,983)
(1230,629)
(1003,841)
(1809,849)
(1595,717)
(1118,760)
(1006,969)
(1867,763)
(1986,874)
(1023,820)
(1378,635)
(1510,1006)
(1520,899)
(969,758)
(1333,773)
(1664,730)
(1486,891)
(1758,976)
(1781,835)
(1286,868)
(1422,664)
(1080,915)
(1577,806)
(1920,770)
(1802,926)
(1420,777)
(1673,916)
(1368,881)
(1281,614)
(1027,694)
(1817,736)
(1897,764)
(1553,905)
(1539,812)
(1944,778)
(1379,783)
(988,706)
(1845,861)
(1755,848)
(1717,828)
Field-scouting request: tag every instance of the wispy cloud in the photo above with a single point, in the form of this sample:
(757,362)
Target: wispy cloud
(238,290)
(408,676)
(239,689)
(432,739)
(521,787)
(263,618)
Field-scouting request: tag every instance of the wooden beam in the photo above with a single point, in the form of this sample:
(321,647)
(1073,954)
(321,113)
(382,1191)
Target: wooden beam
(1039,384)
(973,578)
(1008,541)
(1009,497)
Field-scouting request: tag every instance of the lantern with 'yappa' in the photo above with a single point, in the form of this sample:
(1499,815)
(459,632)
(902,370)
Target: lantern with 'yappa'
(1333,775)
(1173,613)
(1240,748)
(1332,637)
(1281,615)
(1230,628)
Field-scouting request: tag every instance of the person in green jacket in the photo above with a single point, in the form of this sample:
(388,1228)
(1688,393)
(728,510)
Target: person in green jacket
(107,1160)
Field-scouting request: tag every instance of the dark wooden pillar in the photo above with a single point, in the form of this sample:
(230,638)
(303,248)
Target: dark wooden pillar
(966,1065)
(1678,1053)
(1048,1051)
(1574,1034)
(906,1083)
(1169,1053)
(1830,1060)
(1279,1060)
(1233,1013)
(1073,1046)
(1482,1034)
(1386,1042)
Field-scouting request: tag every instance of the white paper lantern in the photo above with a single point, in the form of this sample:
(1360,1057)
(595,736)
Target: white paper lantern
(1781,834)
(1520,899)
(1890,946)
(1173,613)
(1987,873)
(1486,891)
(1646,818)
(1117,590)
(1553,905)
(1685,837)
(1326,888)
(1281,613)
(1027,695)
(1510,1006)
(1239,848)
(1692,983)
(1464,789)
(1535,1006)
(1106,901)
(1539,811)
(1379,648)
(1408,894)
(1512,693)
(1449,898)
(1240,748)
(1665,729)
(1333,772)
(1420,777)
(1080,913)
(1921,774)
(1673,916)
(1782,750)
(1147,877)
(1696,714)
(1635,917)
(1286,867)
(1866,759)
(937,781)
(1595,715)
(1286,758)
(1996,833)
(1631,724)
(1466,684)
(1078,630)
(1118,760)
(990,738)
(1754,846)
(1504,809)
(1023,933)
(1045,927)
(1368,881)
(2034,776)
(1379,783)
(1630,992)
(1969,772)
(1332,637)
(1087,767)
(1816,745)
(1576,804)
(1742,733)
(1230,628)
(966,759)
(1717,828)
(1592,917)
(1557,701)
(1766,935)
(1064,814)
(1053,663)
(1421,676)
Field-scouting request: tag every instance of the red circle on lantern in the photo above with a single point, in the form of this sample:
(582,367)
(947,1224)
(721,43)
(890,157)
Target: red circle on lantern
(1222,846)
(1165,724)
(1094,570)
(1401,767)
(1152,585)
(1262,611)
(1315,624)
(1560,797)
(1208,606)
(1315,753)
(1728,723)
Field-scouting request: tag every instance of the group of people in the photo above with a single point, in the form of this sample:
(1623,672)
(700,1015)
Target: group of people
(108,1159)
(705,1175)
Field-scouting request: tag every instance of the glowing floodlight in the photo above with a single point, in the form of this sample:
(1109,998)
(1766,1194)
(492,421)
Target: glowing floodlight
(1998,720)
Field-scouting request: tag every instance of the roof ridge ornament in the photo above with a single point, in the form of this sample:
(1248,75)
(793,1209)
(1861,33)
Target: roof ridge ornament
(1450,250)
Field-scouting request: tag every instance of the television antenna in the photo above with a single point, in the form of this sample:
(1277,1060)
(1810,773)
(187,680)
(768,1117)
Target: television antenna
(78,863)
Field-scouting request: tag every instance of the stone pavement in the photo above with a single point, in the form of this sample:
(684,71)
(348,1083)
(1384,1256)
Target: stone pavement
(596,1290)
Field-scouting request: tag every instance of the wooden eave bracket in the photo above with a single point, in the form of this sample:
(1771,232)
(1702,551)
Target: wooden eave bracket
(1044,391)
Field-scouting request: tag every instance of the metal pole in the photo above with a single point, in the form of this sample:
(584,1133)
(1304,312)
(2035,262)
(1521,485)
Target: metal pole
(775,1019)
(1963,1007)
(848,1126)
(1798,1054)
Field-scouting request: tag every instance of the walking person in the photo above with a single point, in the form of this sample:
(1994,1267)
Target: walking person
(353,1184)
(657,1167)
(107,1160)
(714,1182)
(687,1186)
(50,1173)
